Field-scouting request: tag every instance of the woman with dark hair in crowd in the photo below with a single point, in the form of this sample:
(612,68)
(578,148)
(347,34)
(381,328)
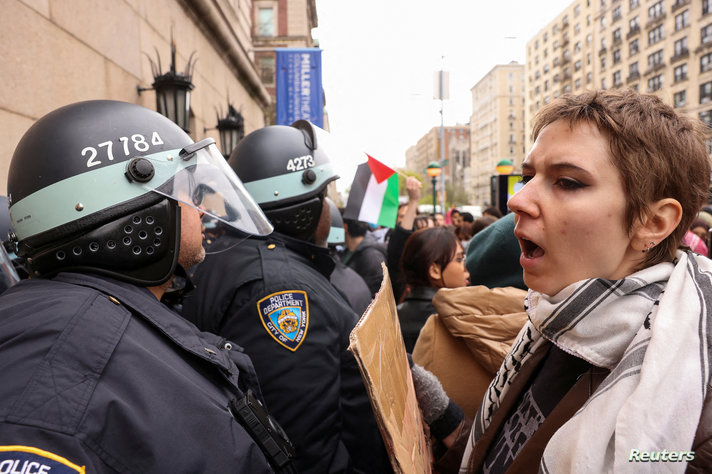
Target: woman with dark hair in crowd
(433,258)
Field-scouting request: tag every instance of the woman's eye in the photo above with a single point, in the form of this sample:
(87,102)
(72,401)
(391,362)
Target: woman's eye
(569,184)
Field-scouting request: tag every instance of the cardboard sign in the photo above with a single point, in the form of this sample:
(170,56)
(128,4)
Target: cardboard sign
(377,344)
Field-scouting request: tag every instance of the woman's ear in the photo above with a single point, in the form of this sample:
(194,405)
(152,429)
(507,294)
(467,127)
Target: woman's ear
(434,272)
(662,219)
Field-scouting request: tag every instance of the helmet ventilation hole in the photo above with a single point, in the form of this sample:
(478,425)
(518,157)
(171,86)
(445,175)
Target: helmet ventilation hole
(136,220)
(136,250)
(149,250)
(149,220)
(93,246)
(142,235)
(158,230)
(77,251)
(60,255)
(157,242)
(127,240)
(111,244)
(128,229)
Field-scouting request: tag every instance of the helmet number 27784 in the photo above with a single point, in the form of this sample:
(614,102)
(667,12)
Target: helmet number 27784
(136,142)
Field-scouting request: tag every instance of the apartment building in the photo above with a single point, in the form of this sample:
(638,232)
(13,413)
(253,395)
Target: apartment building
(457,154)
(662,47)
(496,126)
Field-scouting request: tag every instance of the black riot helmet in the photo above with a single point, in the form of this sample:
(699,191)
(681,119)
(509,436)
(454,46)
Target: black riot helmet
(94,186)
(286,170)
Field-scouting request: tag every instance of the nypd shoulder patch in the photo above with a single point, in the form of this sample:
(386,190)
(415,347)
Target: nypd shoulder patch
(285,316)
(29,460)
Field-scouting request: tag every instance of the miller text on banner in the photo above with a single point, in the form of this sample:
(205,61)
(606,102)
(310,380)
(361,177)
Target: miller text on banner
(299,86)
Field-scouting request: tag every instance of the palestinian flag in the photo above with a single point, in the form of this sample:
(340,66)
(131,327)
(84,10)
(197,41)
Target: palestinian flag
(374,194)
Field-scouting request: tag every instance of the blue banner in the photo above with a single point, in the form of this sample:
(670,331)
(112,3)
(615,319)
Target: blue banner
(299,88)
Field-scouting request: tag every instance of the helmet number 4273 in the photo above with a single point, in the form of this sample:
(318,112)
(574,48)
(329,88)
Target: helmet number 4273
(300,163)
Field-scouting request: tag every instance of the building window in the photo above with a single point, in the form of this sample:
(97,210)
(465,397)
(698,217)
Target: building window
(681,72)
(589,78)
(706,117)
(577,47)
(679,98)
(266,67)
(705,7)
(616,13)
(577,84)
(655,59)
(603,22)
(603,63)
(634,47)
(589,39)
(546,68)
(705,92)
(617,78)
(655,10)
(706,33)
(634,4)
(603,83)
(577,10)
(633,69)
(616,56)
(617,35)
(265,22)
(681,46)
(634,25)
(706,63)
(577,65)
(655,83)
(682,20)
(655,35)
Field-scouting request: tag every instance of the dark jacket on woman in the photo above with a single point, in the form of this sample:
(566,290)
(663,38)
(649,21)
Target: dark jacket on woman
(413,312)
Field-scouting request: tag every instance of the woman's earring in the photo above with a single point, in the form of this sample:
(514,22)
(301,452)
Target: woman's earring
(648,247)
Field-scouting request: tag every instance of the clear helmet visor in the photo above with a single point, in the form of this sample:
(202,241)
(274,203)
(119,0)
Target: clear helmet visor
(199,176)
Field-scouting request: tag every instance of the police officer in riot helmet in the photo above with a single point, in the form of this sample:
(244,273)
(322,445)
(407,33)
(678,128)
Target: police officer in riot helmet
(106,200)
(273,296)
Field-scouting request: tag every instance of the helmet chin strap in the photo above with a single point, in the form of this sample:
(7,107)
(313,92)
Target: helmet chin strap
(298,220)
(140,247)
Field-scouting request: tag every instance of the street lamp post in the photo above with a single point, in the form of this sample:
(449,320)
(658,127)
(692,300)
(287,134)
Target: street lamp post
(434,170)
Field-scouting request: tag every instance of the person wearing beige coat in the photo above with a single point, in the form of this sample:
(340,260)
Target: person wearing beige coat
(464,343)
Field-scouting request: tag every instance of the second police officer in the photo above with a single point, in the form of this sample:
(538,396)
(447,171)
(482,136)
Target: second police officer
(272,295)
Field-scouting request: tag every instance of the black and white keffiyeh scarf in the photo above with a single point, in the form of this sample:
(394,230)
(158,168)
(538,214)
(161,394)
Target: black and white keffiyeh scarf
(651,330)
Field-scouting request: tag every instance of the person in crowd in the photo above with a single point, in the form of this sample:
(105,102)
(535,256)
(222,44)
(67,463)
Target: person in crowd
(349,283)
(364,254)
(98,376)
(423,221)
(464,234)
(482,222)
(611,370)
(492,211)
(493,256)
(701,229)
(438,219)
(433,258)
(403,230)
(273,296)
(467,217)
(455,217)
(695,243)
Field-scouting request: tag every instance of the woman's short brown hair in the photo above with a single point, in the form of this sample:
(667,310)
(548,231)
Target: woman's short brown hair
(659,153)
(423,248)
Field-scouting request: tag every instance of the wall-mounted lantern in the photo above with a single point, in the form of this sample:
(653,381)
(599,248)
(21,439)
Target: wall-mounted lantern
(172,88)
(231,129)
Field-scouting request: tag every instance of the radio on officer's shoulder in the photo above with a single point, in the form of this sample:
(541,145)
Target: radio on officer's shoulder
(264,429)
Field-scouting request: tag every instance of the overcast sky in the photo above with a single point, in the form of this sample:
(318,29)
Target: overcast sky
(379,57)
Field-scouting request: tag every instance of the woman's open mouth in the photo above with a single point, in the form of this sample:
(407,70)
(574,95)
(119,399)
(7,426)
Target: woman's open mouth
(530,249)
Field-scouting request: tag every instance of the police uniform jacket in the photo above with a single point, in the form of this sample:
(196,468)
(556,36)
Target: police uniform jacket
(273,296)
(99,376)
